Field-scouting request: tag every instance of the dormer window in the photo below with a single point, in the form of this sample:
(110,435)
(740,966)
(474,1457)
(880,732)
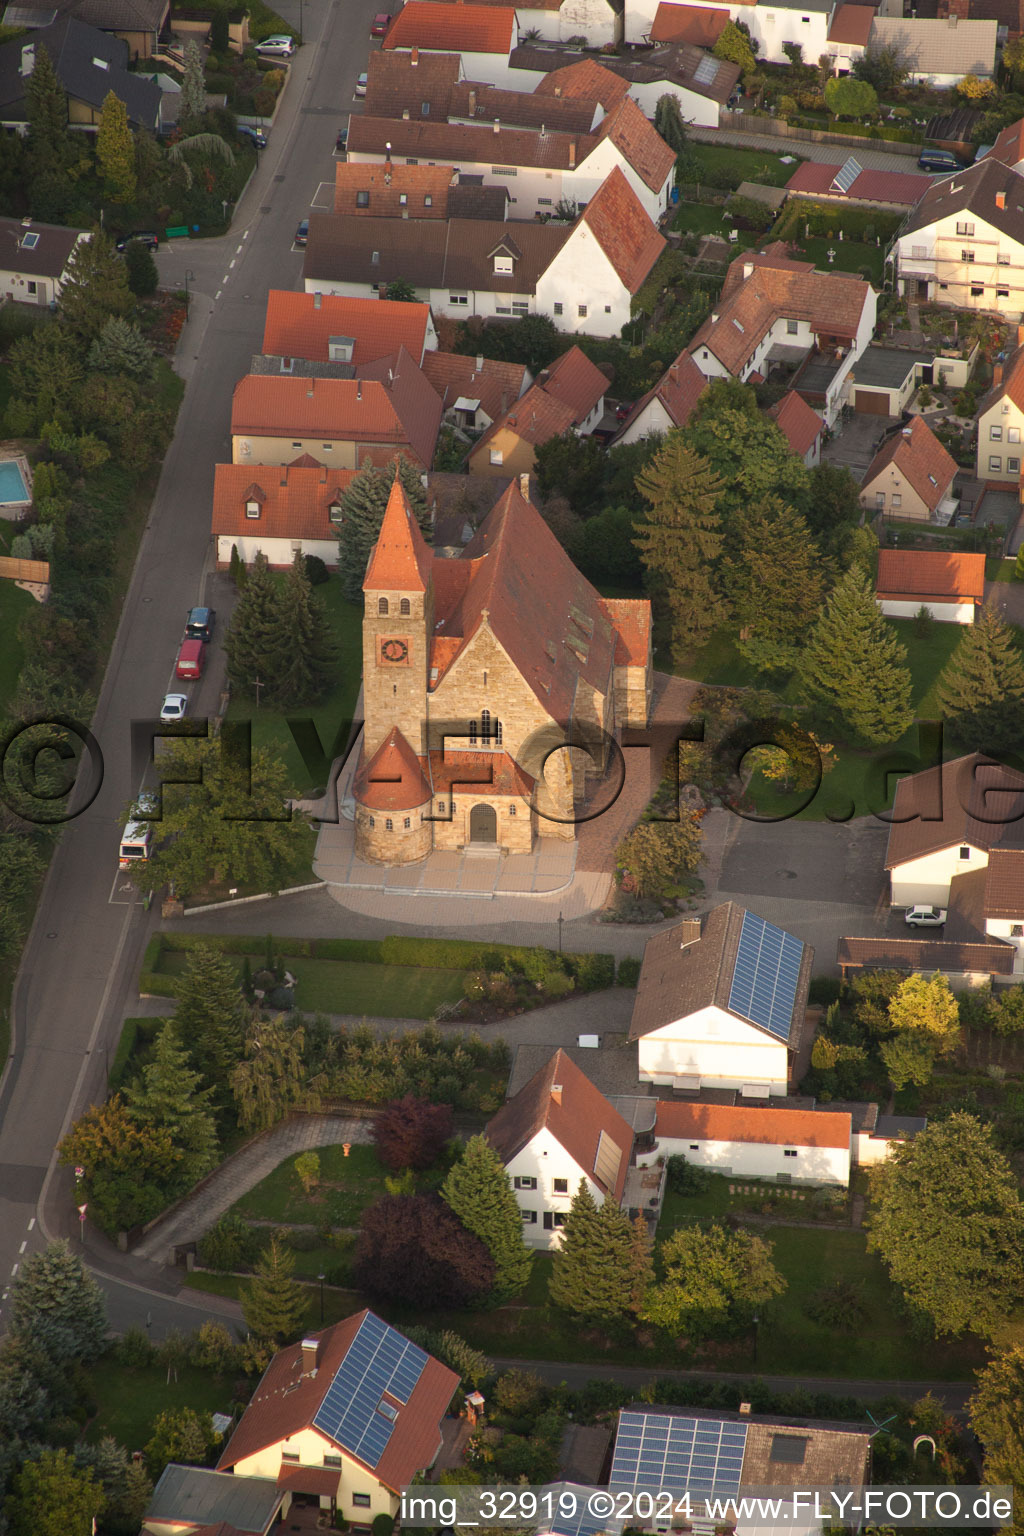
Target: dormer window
(382,605)
(503,265)
(362,199)
(403,198)
(252,509)
(340,349)
(335,513)
(287,364)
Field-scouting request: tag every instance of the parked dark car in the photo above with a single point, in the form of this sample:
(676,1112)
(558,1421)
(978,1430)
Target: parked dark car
(302,233)
(938,160)
(254,135)
(341,143)
(199,624)
(145,237)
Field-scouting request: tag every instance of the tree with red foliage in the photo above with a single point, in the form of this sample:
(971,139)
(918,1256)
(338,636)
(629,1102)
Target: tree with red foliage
(410,1133)
(414,1249)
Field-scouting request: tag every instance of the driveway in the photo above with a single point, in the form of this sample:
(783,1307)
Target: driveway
(854,444)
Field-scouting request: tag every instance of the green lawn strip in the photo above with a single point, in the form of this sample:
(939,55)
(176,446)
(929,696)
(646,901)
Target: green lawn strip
(129,1400)
(849,256)
(926,657)
(344,986)
(347,1185)
(997,569)
(703,219)
(269,728)
(725,161)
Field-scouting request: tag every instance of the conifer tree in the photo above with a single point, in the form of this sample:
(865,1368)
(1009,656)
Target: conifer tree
(981,689)
(855,669)
(192,102)
(57,1304)
(211,1017)
(305,660)
(252,638)
(362,512)
(121,347)
(96,287)
(774,584)
(479,1192)
(170,1099)
(115,149)
(680,540)
(590,1277)
(273,1304)
(641,1265)
(46,105)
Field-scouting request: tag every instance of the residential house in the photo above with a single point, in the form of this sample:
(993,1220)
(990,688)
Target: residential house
(789,1146)
(950,584)
(884,378)
(567,397)
(539,169)
(701,25)
(911,476)
(1008,148)
(770,26)
(801,427)
(483,34)
(138,23)
(848,35)
(1001,421)
(392,191)
(350,1415)
(701,84)
(34,259)
(342,423)
(703,1454)
(964,243)
(598,22)
(721,1003)
(410,82)
(773,311)
(669,404)
(584,80)
(583,277)
(474,391)
(328,327)
(938,52)
(849,183)
(189,1500)
(473,102)
(278,509)
(89,64)
(557,1131)
(509,638)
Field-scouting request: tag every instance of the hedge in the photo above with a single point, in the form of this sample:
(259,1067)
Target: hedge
(629,972)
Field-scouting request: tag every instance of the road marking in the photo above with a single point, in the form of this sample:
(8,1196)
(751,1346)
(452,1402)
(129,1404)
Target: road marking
(23,1246)
(14,1271)
(238,248)
(231,263)
(31,1223)
(217,294)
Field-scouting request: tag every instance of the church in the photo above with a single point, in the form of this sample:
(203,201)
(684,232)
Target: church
(492,683)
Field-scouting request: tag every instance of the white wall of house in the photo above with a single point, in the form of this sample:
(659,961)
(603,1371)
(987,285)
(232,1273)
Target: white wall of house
(771,26)
(935,255)
(925,881)
(946,613)
(1012,931)
(758,1160)
(595,20)
(703,111)
(279,552)
(653,418)
(591,174)
(868,1150)
(546,1160)
(530,190)
(1000,433)
(307,1448)
(720,1050)
(582,277)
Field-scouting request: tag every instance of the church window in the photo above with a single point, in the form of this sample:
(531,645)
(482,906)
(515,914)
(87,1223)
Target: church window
(403,606)
(407,823)
(512,810)
(382,605)
(389,825)
(490,729)
(372,822)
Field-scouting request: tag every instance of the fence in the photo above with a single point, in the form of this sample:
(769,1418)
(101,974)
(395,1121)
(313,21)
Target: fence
(774,127)
(25,570)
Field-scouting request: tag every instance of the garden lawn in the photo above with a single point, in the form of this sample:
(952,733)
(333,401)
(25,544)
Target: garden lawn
(702,219)
(927,656)
(347,1185)
(352,987)
(331,718)
(850,256)
(730,166)
(130,1400)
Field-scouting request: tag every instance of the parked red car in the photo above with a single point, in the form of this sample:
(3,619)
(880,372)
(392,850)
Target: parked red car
(379,25)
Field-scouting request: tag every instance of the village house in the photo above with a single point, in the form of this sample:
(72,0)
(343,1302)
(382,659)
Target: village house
(600,22)
(510,638)
(34,259)
(484,35)
(326,327)
(138,23)
(343,423)
(1001,421)
(89,64)
(938,51)
(540,170)
(773,312)
(700,25)
(584,276)
(555,1132)
(911,476)
(850,183)
(788,1146)
(410,83)
(848,35)
(884,378)
(277,509)
(963,245)
(669,404)
(474,391)
(950,584)
(472,102)
(701,84)
(584,80)
(800,426)
(567,397)
(770,26)
(721,1003)
(415,86)
(395,191)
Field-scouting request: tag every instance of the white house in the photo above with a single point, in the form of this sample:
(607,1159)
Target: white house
(772,308)
(721,1003)
(938,51)
(790,1146)
(669,404)
(950,584)
(34,259)
(1001,421)
(963,245)
(278,509)
(848,35)
(770,25)
(557,1130)
(483,34)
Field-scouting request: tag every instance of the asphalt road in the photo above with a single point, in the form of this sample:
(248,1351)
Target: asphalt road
(82,955)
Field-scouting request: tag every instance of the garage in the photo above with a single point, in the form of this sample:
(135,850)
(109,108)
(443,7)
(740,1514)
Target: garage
(871,402)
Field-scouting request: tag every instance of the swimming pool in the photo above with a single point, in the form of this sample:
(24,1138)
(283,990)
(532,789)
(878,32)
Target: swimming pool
(12,483)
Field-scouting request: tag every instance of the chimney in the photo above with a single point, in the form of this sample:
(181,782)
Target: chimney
(414,57)
(1000,199)
(572,154)
(309,390)
(479,362)
(556,1093)
(745,1410)
(497,125)
(748,270)
(558,90)
(359,389)
(318,299)
(997,375)
(543,130)
(310,1350)
(472,103)
(524,491)
(673,373)
(28,59)
(689,931)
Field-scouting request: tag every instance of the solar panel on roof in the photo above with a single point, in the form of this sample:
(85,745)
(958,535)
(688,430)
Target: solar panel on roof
(378,1360)
(675,1452)
(847,175)
(706,70)
(765,976)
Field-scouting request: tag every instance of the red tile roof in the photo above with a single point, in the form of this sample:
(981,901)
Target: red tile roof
(392,191)
(575,381)
(474,143)
(1009,145)
(852,24)
(477,102)
(495,384)
(948,576)
(620,224)
(905,188)
(323,1480)
(678,390)
(576,1117)
(401,82)
(295,501)
(639,143)
(799,424)
(393,779)
(762,1126)
(588,79)
(286,1402)
(969,800)
(702,25)
(1012,386)
(496,772)
(439,25)
(400,561)
(298,326)
(632,620)
(1004,883)
(918,455)
(563,397)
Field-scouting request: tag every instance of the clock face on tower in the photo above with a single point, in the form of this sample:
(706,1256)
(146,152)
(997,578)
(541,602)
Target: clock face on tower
(394,652)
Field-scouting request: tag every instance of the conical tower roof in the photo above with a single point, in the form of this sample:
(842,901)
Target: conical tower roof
(401,559)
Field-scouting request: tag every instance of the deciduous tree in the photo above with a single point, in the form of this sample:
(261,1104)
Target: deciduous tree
(680,540)
(271,1079)
(713,1281)
(981,688)
(846,96)
(414,1249)
(170,1099)
(997,1418)
(115,149)
(925,1005)
(273,1304)
(180,1434)
(656,854)
(411,1133)
(855,669)
(946,1217)
(746,450)
(57,1304)
(362,508)
(575,467)
(52,1497)
(128,1166)
(479,1192)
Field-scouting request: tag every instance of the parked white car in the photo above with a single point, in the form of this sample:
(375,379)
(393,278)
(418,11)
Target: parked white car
(277,46)
(174,706)
(925,917)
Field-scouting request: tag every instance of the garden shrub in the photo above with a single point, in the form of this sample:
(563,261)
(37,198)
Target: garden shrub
(824,990)
(685,1178)
(230,1245)
(628,973)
